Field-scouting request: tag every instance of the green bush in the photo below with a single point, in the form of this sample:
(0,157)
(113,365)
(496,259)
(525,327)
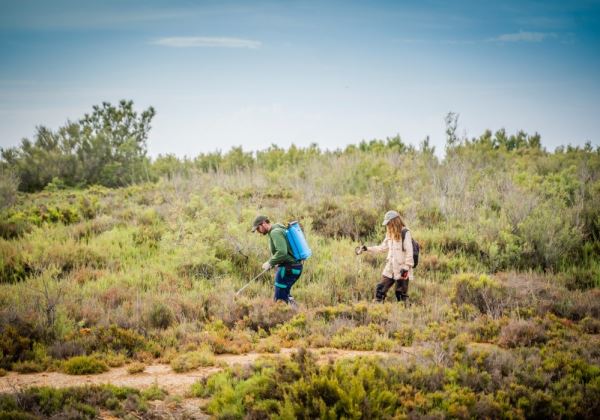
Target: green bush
(364,337)
(9,184)
(116,339)
(485,329)
(580,278)
(14,347)
(13,227)
(36,360)
(193,360)
(483,292)
(349,219)
(84,365)
(15,415)
(136,367)
(590,325)
(68,256)
(75,402)
(484,381)
(161,316)
(28,366)
(14,267)
(154,393)
(547,245)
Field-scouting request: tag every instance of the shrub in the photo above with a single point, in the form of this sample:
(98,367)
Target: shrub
(450,240)
(13,265)
(266,314)
(136,367)
(364,337)
(116,339)
(350,220)
(433,263)
(192,360)
(88,229)
(154,393)
(68,256)
(113,359)
(149,236)
(13,227)
(485,329)
(114,296)
(405,336)
(268,345)
(486,294)
(13,346)
(237,342)
(548,244)
(198,270)
(76,402)
(9,184)
(295,328)
(84,365)
(590,325)
(88,206)
(522,333)
(430,216)
(580,278)
(28,366)
(66,349)
(575,305)
(161,316)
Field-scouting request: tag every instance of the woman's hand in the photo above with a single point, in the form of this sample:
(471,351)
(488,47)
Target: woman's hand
(360,249)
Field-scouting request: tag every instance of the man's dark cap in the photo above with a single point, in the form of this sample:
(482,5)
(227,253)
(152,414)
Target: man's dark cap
(258,221)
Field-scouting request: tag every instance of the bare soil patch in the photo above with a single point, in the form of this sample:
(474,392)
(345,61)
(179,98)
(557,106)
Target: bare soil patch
(162,375)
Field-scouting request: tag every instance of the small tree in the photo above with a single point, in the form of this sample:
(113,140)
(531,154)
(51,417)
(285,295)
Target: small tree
(112,144)
(106,147)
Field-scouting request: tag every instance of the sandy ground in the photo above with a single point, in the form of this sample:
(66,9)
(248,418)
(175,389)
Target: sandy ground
(162,375)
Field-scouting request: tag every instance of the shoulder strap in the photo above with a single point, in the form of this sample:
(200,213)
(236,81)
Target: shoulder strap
(287,240)
(403,235)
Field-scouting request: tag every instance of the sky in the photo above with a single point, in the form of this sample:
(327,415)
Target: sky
(222,74)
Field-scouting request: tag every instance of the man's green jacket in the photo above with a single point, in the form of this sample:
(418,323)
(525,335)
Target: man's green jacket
(281,254)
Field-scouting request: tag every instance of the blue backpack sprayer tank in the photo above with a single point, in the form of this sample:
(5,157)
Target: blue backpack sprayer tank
(297,241)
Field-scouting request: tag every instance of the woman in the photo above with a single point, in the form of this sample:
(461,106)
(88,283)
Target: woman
(399,262)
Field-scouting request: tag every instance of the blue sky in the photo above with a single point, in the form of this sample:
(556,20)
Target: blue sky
(229,73)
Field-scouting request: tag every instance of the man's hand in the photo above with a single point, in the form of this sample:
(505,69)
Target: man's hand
(266,266)
(404,274)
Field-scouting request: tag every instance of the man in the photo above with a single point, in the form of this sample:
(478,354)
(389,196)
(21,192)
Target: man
(288,268)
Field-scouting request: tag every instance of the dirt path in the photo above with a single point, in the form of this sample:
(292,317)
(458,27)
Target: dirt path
(163,375)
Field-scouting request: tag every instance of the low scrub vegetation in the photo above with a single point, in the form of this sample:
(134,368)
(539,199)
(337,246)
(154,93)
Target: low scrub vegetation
(77,402)
(504,309)
(478,383)
(84,365)
(192,360)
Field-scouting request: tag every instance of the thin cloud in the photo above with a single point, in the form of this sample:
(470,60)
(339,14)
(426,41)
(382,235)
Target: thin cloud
(206,42)
(523,36)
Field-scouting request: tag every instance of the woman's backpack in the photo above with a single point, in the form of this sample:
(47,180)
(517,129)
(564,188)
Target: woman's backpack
(416,247)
